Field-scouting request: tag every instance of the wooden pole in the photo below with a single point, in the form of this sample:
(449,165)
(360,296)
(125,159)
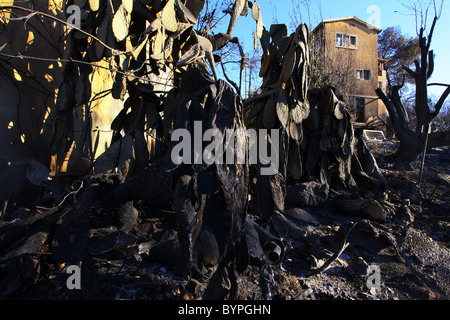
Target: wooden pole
(424,151)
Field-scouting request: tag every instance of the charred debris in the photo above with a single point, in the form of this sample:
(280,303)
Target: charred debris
(141,227)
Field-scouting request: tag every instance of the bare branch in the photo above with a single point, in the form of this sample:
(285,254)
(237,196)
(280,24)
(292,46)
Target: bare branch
(440,103)
(438,84)
(126,73)
(34,12)
(402,115)
(418,68)
(422,39)
(410,72)
(430,35)
(228,79)
(336,255)
(392,111)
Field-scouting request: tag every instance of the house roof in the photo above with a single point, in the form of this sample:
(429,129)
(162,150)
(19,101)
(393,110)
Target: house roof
(360,21)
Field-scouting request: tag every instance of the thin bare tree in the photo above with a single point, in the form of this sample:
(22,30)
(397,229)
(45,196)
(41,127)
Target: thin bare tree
(412,142)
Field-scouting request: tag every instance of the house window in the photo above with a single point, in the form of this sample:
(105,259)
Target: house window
(346,41)
(363,74)
(345,38)
(380,68)
(359,74)
(317,45)
(339,40)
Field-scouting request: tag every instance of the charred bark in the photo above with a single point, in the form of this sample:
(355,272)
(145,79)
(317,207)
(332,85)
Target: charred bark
(412,142)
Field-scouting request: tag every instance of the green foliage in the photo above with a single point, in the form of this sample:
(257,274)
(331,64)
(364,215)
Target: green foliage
(401,50)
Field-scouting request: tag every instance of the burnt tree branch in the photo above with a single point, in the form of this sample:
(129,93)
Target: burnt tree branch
(394,97)
(440,103)
(410,72)
(430,64)
(417,64)
(397,126)
(431,32)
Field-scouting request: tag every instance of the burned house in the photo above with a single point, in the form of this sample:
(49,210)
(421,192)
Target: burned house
(346,51)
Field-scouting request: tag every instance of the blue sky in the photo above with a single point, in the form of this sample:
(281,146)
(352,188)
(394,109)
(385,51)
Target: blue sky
(391,13)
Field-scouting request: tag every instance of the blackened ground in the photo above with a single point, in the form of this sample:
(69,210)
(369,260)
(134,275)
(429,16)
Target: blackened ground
(411,250)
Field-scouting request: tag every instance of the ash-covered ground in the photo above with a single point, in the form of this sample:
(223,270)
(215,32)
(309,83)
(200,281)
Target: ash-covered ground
(407,256)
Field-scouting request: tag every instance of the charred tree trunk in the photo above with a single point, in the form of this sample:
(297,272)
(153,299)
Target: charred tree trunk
(412,142)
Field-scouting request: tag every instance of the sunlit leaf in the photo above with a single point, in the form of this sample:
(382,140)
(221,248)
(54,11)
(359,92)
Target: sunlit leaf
(48,77)
(256,11)
(237,9)
(255,36)
(300,112)
(168,16)
(17,75)
(295,130)
(128,5)
(282,108)
(339,110)
(94,4)
(158,43)
(121,23)
(4,19)
(154,25)
(55,6)
(30,38)
(244,11)
(185,14)
(256,14)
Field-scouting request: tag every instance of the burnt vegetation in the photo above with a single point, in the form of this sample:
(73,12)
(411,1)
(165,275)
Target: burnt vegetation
(140,226)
